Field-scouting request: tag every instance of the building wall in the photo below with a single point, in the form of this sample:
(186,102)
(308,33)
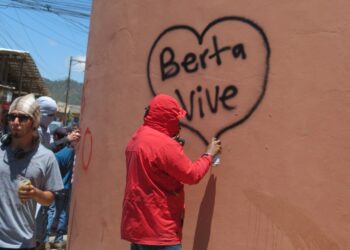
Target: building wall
(270,78)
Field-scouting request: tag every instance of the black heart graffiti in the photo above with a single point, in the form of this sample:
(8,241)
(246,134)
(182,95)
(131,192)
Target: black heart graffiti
(219,76)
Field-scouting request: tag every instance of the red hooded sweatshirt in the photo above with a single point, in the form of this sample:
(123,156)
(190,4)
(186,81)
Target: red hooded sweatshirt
(157,168)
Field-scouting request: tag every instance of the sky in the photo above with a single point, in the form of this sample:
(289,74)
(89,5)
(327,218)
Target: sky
(51,39)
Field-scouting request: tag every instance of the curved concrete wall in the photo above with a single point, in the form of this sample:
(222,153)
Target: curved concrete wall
(270,78)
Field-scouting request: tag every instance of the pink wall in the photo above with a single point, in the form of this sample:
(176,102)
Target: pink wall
(280,80)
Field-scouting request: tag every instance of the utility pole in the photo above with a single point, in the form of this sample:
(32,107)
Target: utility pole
(67,92)
(68,85)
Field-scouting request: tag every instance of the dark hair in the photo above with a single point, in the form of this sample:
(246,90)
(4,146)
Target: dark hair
(60,132)
(18,153)
(146,111)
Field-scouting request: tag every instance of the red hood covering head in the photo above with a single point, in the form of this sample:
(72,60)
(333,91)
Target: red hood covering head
(164,115)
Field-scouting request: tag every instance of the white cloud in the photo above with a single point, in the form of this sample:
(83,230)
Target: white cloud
(78,63)
(52,43)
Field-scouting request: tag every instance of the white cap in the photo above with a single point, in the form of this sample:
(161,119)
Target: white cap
(47,105)
(27,104)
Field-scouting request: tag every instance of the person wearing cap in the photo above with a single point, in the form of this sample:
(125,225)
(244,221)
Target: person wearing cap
(29,174)
(157,169)
(72,137)
(48,109)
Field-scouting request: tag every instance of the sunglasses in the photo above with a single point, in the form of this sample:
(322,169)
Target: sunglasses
(21,117)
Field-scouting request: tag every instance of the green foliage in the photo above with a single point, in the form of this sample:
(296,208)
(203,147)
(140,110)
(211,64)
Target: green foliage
(57,90)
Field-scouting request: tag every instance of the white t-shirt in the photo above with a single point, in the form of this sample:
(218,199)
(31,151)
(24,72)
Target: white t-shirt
(17,220)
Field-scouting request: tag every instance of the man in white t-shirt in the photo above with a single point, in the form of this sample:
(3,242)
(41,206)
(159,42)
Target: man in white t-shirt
(29,174)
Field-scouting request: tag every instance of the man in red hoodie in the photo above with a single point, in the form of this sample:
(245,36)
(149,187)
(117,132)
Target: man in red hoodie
(157,169)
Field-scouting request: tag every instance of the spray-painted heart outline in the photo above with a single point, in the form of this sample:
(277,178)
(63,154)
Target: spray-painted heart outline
(200,38)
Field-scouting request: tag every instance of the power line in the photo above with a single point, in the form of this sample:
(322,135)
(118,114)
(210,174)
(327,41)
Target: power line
(44,24)
(4,38)
(77,9)
(34,47)
(74,14)
(41,33)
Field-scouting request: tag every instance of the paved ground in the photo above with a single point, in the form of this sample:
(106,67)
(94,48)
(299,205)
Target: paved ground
(52,239)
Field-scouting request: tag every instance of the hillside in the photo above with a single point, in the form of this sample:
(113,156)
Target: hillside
(57,90)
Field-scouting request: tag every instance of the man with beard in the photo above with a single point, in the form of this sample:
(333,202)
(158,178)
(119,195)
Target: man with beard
(29,174)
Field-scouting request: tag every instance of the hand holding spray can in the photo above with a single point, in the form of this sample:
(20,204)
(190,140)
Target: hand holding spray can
(214,148)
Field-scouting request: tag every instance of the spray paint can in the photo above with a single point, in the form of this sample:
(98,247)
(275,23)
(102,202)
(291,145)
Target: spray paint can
(216,160)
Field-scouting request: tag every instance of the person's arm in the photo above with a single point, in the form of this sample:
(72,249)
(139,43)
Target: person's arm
(27,192)
(52,179)
(71,137)
(174,162)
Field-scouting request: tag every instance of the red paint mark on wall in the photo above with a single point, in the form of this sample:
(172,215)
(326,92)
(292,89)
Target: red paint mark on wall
(87,148)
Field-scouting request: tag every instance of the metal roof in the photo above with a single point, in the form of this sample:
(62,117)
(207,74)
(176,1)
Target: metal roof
(18,70)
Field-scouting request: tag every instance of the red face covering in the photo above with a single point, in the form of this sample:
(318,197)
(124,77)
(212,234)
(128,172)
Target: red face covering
(164,115)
